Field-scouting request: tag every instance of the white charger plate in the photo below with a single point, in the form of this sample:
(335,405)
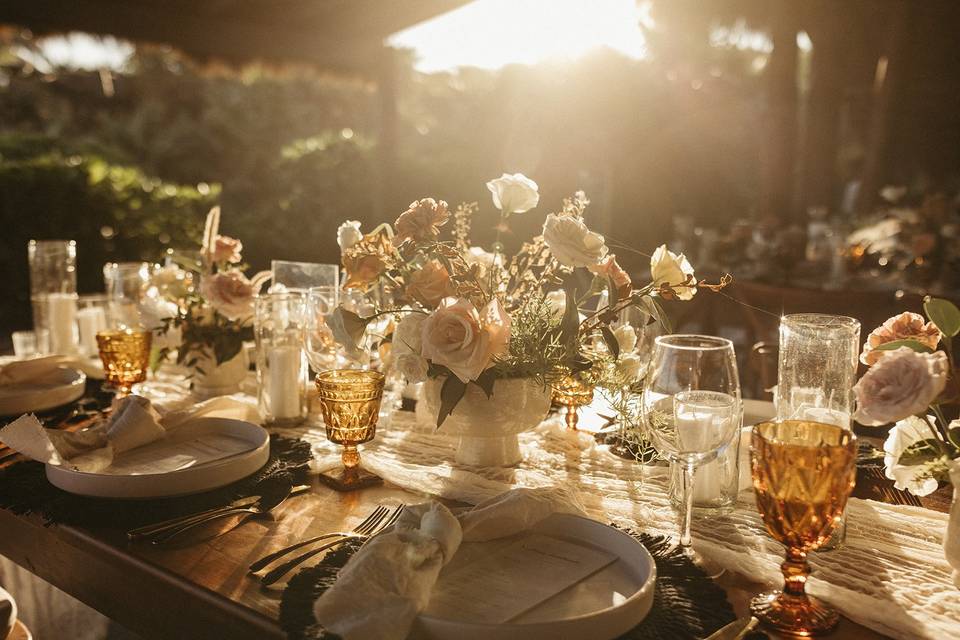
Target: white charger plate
(133,476)
(17,399)
(603,606)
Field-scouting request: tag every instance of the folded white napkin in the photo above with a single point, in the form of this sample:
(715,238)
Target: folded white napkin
(133,422)
(46,370)
(379,593)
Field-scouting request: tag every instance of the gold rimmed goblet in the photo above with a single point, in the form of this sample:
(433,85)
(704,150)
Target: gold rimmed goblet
(125,354)
(803,473)
(571,393)
(350,402)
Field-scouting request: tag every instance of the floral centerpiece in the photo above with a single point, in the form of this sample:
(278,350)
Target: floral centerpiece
(212,320)
(489,332)
(912,381)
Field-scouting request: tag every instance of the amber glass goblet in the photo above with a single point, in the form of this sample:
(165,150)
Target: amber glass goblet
(803,473)
(350,402)
(571,393)
(125,354)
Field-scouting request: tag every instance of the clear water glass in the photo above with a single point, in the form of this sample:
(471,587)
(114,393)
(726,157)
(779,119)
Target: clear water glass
(125,283)
(303,276)
(282,373)
(691,407)
(817,368)
(53,292)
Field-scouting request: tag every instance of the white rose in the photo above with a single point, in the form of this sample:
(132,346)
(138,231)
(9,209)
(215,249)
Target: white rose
(464,340)
(667,267)
(348,234)
(514,193)
(902,383)
(626,337)
(906,477)
(572,243)
(230,293)
(629,367)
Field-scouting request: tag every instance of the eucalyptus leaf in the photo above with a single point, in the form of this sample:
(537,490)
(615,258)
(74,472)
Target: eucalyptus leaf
(610,340)
(915,345)
(944,314)
(450,394)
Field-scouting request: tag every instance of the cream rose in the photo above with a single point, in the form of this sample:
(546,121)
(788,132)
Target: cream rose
(908,477)
(572,243)
(514,193)
(230,293)
(669,268)
(906,326)
(224,249)
(348,234)
(464,340)
(899,385)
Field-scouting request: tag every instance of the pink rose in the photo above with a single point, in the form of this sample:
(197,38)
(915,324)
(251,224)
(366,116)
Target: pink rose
(608,268)
(464,340)
(230,293)
(906,326)
(900,384)
(422,220)
(224,249)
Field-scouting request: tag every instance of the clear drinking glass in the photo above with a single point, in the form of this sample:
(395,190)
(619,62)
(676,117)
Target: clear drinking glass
(126,283)
(302,276)
(24,343)
(817,368)
(282,374)
(53,292)
(319,343)
(691,406)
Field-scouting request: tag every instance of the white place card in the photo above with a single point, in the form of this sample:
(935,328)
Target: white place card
(497,587)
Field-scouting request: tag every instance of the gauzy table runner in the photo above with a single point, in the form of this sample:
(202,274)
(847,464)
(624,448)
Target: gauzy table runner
(891,574)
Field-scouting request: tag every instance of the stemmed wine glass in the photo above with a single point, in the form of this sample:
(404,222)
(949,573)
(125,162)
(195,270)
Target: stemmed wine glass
(691,406)
(803,473)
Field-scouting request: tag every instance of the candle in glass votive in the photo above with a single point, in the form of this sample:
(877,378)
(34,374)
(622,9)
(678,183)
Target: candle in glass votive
(695,429)
(284,378)
(90,321)
(62,318)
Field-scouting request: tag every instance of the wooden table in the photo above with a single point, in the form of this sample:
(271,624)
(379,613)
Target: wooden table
(203,591)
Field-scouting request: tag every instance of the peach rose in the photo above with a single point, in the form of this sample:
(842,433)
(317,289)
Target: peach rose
(906,326)
(608,268)
(230,293)
(224,249)
(463,339)
(430,284)
(422,220)
(901,384)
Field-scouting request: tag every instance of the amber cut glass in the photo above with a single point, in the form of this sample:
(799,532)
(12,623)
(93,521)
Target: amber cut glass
(571,393)
(803,473)
(350,402)
(125,354)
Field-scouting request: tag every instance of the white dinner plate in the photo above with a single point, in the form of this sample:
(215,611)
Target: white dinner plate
(603,606)
(17,399)
(200,455)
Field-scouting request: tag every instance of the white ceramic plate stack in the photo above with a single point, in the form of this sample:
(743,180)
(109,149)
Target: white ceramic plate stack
(203,454)
(17,399)
(603,606)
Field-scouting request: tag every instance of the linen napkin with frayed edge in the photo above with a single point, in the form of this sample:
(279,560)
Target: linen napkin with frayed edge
(133,423)
(379,593)
(46,370)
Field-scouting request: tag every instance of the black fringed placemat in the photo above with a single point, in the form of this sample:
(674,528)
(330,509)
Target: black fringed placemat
(24,489)
(687,604)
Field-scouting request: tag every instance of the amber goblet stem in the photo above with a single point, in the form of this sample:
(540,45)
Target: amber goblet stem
(572,416)
(795,571)
(350,457)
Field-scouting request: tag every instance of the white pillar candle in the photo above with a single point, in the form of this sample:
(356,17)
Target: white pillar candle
(62,316)
(284,381)
(696,431)
(90,321)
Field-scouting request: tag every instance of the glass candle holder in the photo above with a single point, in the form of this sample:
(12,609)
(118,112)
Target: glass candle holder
(125,284)
(53,292)
(125,354)
(91,320)
(282,373)
(817,368)
(350,401)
